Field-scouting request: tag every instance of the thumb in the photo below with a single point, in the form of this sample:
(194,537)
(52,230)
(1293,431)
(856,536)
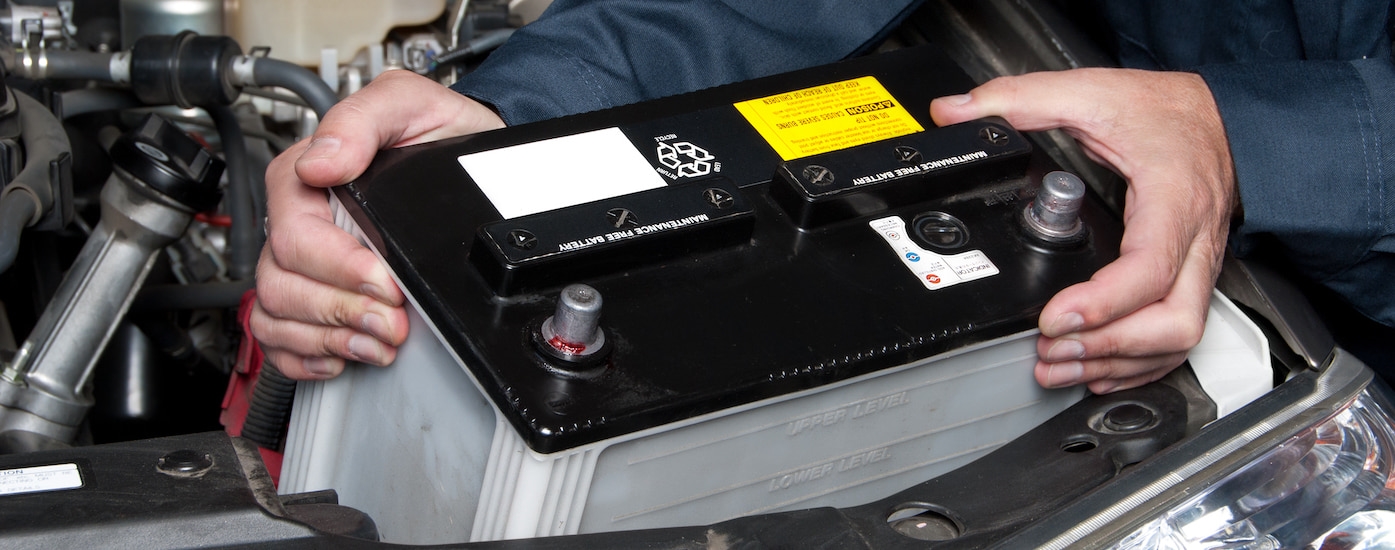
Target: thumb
(1033,101)
(955,109)
(377,117)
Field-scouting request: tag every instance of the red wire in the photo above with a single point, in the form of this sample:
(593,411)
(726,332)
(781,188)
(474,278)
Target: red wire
(219,220)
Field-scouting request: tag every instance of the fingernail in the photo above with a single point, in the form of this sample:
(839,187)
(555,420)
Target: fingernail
(1063,374)
(1104,386)
(321,148)
(320,365)
(375,291)
(1065,323)
(1065,350)
(377,325)
(957,100)
(366,349)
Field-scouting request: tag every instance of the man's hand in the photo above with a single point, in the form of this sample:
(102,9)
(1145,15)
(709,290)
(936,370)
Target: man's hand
(321,296)
(1137,317)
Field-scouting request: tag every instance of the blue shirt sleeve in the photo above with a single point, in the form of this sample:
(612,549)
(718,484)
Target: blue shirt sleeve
(1306,91)
(1314,149)
(585,55)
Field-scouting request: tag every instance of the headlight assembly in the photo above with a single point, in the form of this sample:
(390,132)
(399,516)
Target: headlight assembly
(1308,465)
(1329,486)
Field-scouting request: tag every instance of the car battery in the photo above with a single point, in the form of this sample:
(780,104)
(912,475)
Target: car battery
(784,293)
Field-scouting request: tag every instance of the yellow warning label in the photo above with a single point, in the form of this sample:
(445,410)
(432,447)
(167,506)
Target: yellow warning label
(829,117)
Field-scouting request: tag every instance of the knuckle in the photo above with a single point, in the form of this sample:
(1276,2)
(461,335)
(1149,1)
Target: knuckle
(1191,332)
(340,313)
(272,299)
(283,164)
(281,244)
(258,330)
(260,327)
(328,344)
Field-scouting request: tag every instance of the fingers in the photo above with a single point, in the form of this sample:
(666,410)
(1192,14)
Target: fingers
(396,108)
(307,327)
(1152,254)
(1136,317)
(312,340)
(290,296)
(303,239)
(297,367)
(321,296)
(1110,374)
(1141,346)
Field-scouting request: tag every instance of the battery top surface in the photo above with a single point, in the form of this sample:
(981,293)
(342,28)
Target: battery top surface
(746,242)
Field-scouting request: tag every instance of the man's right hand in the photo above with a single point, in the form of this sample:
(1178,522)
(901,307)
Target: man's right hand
(321,296)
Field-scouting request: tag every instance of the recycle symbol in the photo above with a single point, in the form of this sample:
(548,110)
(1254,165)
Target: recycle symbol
(686,159)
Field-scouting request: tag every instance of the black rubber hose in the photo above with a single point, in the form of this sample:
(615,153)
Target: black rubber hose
(245,235)
(194,296)
(302,81)
(44,141)
(269,408)
(95,100)
(78,65)
(30,193)
(16,209)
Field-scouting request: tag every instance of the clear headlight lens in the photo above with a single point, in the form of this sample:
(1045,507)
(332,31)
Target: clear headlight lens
(1329,487)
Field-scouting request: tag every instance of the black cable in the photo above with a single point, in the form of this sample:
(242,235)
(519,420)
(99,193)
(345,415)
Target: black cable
(280,143)
(478,46)
(245,235)
(259,154)
(269,408)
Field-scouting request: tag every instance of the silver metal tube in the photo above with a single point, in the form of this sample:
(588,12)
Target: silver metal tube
(44,388)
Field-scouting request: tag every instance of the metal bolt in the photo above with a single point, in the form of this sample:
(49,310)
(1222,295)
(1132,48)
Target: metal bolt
(185,463)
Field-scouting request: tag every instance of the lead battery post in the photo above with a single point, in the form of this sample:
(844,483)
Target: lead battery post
(1054,215)
(572,340)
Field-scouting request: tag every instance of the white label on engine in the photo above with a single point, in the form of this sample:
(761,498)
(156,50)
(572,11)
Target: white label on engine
(560,172)
(933,270)
(38,479)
